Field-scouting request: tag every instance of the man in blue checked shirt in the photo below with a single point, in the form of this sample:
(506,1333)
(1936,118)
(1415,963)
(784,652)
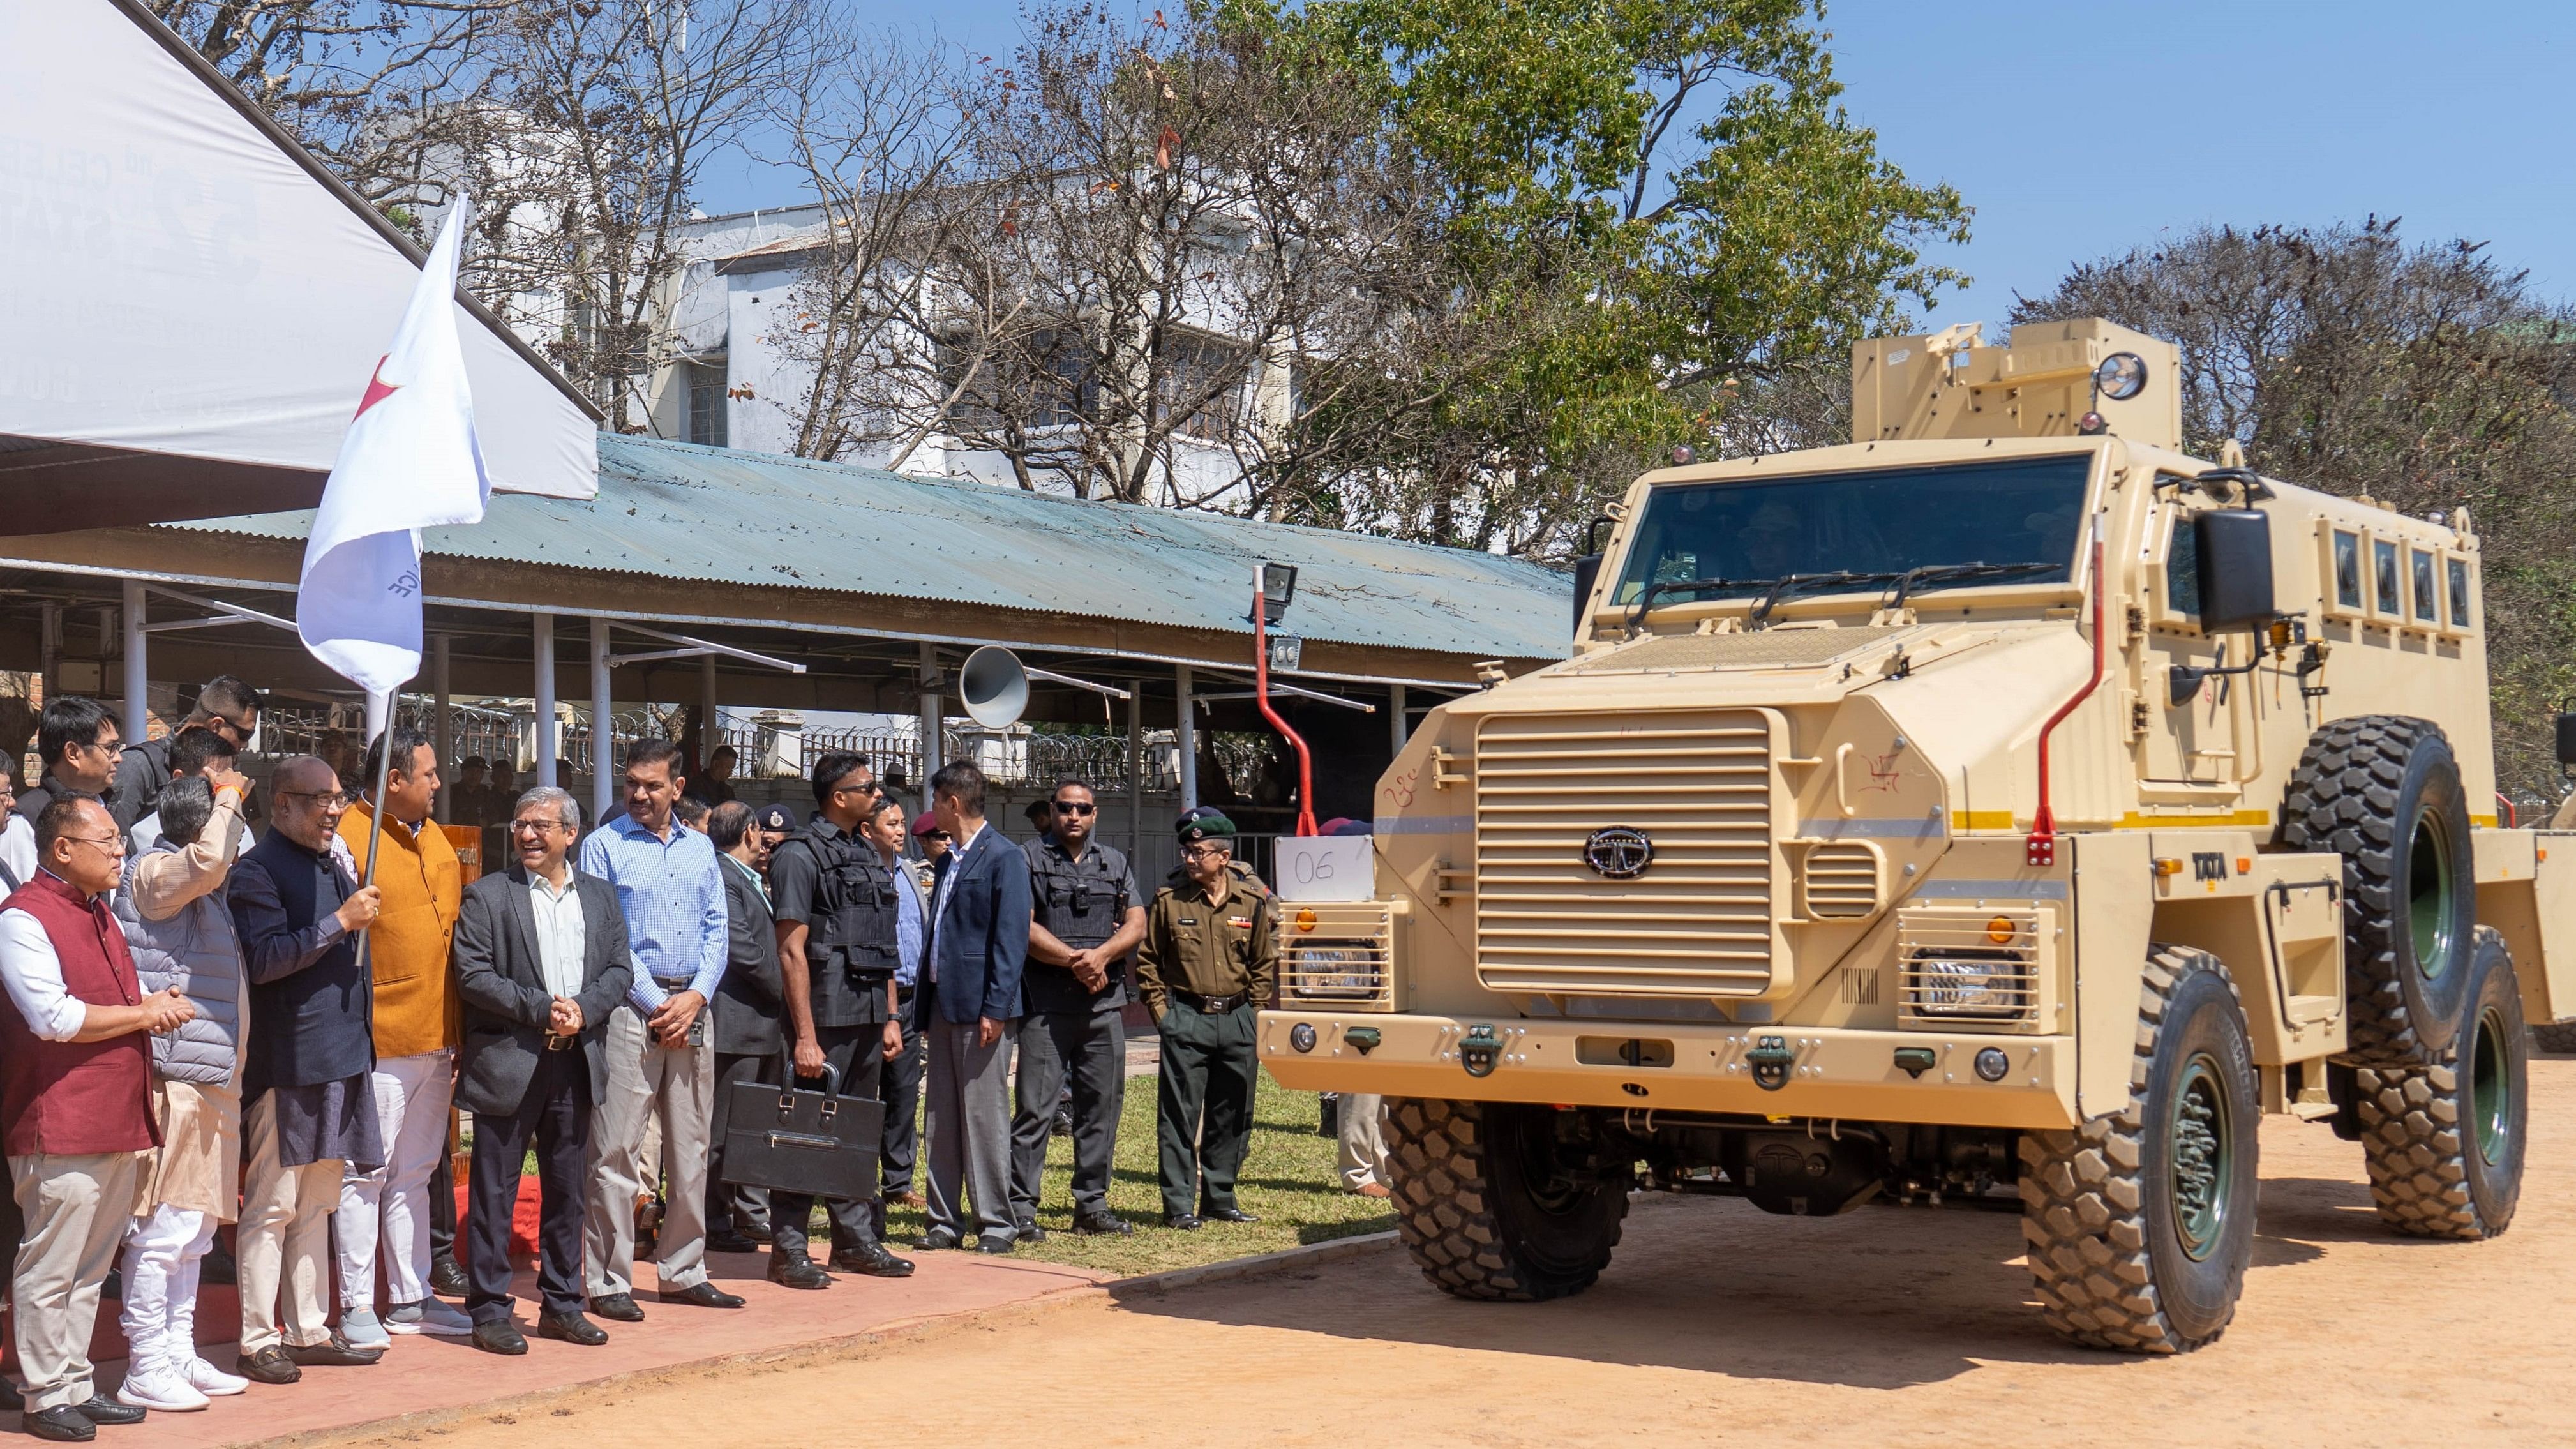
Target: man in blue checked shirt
(661,1061)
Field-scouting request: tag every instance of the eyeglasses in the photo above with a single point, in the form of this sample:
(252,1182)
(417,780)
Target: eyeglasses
(538,825)
(1205,852)
(866,789)
(106,745)
(939,835)
(1075,807)
(112,844)
(324,799)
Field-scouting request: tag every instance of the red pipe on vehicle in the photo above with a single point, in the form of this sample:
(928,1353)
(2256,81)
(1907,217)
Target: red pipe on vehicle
(2040,848)
(1261,692)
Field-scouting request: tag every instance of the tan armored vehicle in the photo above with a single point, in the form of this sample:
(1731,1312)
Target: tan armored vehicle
(2002,810)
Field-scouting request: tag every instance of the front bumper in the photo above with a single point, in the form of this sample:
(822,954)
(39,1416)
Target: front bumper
(1836,1072)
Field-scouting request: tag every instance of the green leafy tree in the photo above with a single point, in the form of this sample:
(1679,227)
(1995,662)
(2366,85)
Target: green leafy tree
(1645,211)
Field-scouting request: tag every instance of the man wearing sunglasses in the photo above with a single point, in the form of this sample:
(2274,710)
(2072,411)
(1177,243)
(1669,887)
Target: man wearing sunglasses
(1088,919)
(226,706)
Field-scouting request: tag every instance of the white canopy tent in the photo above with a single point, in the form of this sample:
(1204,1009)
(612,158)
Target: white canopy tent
(192,304)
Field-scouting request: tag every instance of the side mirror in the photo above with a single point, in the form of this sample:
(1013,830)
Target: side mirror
(2566,734)
(1587,571)
(2235,547)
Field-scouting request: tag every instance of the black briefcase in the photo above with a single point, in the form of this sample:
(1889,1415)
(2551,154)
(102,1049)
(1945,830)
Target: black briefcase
(792,1139)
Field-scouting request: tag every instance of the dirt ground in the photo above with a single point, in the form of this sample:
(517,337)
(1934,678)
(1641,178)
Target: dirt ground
(1887,1326)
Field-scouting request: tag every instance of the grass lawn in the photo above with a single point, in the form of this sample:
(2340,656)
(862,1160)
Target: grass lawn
(1288,1181)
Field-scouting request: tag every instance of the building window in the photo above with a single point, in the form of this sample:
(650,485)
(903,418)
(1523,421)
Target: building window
(1201,387)
(707,404)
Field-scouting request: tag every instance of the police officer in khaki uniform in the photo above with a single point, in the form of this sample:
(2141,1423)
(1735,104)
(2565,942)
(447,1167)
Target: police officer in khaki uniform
(835,905)
(1209,962)
(1087,919)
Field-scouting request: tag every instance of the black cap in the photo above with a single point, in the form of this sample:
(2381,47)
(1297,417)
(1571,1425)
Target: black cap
(775,817)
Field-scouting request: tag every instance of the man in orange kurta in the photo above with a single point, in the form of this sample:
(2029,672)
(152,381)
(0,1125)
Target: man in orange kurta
(416,1018)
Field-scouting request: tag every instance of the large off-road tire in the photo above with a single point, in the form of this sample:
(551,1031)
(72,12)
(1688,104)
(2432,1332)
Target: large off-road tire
(2444,1143)
(2384,792)
(2556,1037)
(2141,1222)
(1487,1208)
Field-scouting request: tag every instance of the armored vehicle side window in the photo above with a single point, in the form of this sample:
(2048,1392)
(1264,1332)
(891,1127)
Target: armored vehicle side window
(2347,569)
(1738,538)
(2459,593)
(2389,597)
(2428,605)
(2182,568)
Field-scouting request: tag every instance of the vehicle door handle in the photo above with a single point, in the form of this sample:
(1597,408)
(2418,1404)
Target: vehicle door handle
(1842,791)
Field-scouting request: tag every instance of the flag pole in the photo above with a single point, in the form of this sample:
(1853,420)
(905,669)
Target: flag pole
(376,800)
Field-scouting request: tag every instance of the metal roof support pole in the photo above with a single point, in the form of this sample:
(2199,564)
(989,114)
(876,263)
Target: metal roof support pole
(442,732)
(544,627)
(930,719)
(709,737)
(1135,769)
(138,705)
(1395,724)
(602,725)
(1186,737)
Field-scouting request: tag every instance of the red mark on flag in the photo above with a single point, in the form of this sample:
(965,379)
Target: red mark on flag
(377,388)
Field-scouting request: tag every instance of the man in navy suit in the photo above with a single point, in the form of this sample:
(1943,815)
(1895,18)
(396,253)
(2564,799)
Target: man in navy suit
(968,1004)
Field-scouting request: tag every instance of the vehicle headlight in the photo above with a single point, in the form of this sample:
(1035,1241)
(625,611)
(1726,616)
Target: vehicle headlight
(1996,990)
(1334,970)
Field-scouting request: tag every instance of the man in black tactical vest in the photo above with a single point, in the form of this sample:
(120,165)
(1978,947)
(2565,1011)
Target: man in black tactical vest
(1088,918)
(834,903)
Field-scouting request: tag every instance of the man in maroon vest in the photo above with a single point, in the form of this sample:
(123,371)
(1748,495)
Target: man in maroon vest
(76,1101)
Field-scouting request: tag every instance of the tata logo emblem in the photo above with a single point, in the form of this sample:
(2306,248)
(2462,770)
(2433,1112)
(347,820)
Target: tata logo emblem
(1618,852)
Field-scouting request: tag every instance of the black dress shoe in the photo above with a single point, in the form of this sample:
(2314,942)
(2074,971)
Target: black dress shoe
(571,1328)
(790,1270)
(65,1424)
(873,1261)
(617,1308)
(1099,1224)
(103,1410)
(998,1247)
(726,1240)
(1032,1233)
(500,1336)
(937,1240)
(1183,1221)
(1227,1215)
(334,1352)
(704,1295)
(447,1279)
(271,1365)
(757,1229)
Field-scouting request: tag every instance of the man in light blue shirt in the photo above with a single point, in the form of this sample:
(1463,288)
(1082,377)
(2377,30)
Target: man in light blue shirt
(661,1059)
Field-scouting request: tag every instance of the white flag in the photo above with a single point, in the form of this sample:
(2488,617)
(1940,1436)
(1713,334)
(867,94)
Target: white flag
(408,462)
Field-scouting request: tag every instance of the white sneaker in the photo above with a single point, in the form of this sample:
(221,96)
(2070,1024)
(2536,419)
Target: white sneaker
(363,1330)
(159,1387)
(207,1379)
(429,1315)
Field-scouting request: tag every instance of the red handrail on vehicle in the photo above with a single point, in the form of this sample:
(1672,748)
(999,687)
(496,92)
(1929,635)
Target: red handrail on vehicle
(2041,847)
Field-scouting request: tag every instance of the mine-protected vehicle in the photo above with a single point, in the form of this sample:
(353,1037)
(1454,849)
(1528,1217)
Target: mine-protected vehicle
(2002,810)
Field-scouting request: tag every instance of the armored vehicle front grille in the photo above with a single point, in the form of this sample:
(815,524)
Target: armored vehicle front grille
(1696,920)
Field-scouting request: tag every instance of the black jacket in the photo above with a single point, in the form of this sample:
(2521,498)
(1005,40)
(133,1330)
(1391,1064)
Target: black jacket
(140,773)
(503,984)
(749,999)
(312,1006)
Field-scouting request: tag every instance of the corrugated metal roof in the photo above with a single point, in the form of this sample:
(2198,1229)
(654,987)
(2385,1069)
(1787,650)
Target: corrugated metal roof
(679,511)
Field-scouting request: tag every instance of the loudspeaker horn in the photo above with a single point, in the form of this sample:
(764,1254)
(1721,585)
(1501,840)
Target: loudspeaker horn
(993,687)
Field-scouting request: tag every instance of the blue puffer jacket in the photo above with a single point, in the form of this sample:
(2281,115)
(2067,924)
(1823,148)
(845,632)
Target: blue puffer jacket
(196,952)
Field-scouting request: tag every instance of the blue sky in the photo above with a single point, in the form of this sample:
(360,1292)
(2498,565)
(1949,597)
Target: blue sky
(2081,128)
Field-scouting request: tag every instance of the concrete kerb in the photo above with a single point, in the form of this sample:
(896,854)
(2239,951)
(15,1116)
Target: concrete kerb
(846,1346)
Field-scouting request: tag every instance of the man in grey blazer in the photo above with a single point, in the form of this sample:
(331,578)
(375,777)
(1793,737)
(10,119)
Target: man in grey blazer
(541,960)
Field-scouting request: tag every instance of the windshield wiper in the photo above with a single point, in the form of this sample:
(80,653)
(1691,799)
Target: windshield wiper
(1943,575)
(1799,583)
(1646,600)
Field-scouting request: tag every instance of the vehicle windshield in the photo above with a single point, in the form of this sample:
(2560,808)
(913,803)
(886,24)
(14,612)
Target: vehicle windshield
(1924,528)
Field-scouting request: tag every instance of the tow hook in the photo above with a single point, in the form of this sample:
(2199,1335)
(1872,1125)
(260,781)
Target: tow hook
(1771,1060)
(1479,1050)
